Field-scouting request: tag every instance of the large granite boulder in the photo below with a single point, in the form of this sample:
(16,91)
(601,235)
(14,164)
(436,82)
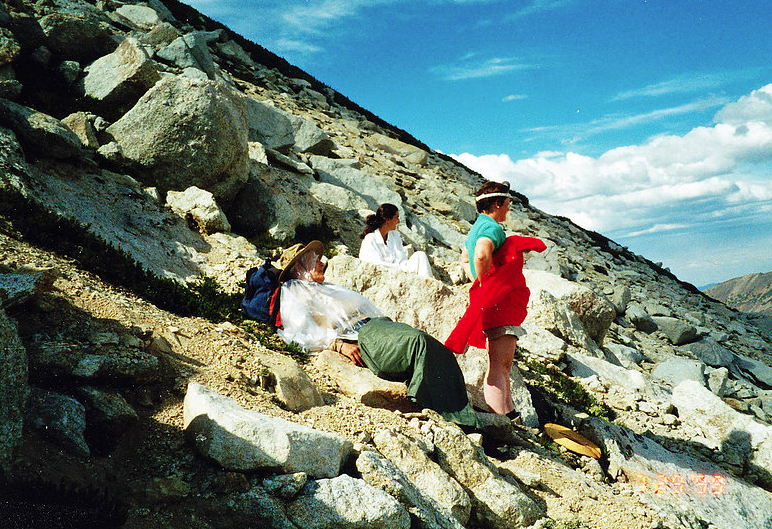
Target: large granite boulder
(425,512)
(275,201)
(186,132)
(677,331)
(683,490)
(239,439)
(424,473)
(40,133)
(743,440)
(474,363)
(346,502)
(116,81)
(80,36)
(595,312)
(14,388)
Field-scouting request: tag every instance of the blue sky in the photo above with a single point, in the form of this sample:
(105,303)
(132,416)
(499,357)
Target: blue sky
(647,121)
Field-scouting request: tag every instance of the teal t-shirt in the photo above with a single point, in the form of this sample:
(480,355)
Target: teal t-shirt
(486,227)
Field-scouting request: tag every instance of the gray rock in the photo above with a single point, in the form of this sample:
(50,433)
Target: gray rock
(427,476)
(717,381)
(723,427)
(107,412)
(26,30)
(621,299)
(640,319)
(240,439)
(594,311)
(234,52)
(285,486)
(628,357)
(677,331)
(684,491)
(407,152)
(760,372)
(269,125)
(191,51)
(14,389)
(201,207)
(677,370)
(371,189)
(9,47)
(710,352)
(346,502)
(424,511)
(294,388)
(160,36)
(255,508)
(18,287)
(80,123)
(275,201)
(361,383)
(496,502)
(585,366)
(289,161)
(40,133)
(185,133)
(553,315)
(309,138)
(140,17)
(82,37)
(116,81)
(60,418)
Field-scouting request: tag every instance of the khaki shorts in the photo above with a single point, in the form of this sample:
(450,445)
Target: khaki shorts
(504,330)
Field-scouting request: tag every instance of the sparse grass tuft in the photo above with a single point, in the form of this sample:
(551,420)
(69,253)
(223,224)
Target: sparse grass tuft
(562,388)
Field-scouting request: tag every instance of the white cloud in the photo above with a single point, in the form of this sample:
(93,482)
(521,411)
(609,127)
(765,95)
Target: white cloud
(686,84)
(479,69)
(711,174)
(514,97)
(751,108)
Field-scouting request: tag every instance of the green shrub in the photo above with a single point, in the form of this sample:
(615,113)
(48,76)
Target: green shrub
(562,388)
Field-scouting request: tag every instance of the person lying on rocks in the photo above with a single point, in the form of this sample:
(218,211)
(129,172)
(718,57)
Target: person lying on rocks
(321,315)
(382,245)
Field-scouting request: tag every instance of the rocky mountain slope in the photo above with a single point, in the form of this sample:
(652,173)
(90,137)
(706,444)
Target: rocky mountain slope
(751,293)
(149,157)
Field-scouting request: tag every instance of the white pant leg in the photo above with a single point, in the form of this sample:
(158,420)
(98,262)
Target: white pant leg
(418,264)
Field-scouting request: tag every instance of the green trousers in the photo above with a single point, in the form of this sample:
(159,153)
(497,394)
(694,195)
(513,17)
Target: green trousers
(398,352)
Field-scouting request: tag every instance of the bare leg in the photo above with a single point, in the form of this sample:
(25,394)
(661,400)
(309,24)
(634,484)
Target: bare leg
(496,390)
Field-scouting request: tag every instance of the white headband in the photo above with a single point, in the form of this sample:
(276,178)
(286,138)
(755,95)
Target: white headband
(491,195)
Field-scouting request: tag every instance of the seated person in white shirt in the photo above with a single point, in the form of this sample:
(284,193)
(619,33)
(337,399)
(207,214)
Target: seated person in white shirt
(382,245)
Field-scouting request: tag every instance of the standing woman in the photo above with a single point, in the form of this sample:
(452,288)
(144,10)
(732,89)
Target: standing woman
(500,322)
(382,245)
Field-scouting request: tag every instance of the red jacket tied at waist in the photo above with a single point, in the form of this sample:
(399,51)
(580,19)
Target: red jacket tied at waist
(502,299)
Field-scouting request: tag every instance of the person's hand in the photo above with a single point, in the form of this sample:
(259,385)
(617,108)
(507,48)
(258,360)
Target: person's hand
(351,351)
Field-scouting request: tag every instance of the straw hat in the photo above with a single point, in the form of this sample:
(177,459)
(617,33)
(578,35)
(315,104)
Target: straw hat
(572,440)
(294,253)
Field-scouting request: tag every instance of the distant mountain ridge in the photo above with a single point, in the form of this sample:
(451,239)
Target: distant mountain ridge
(751,293)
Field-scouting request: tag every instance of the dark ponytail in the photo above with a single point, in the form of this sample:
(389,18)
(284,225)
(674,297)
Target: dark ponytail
(373,222)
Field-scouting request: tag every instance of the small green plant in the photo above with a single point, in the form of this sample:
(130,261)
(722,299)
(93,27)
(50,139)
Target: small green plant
(561,387)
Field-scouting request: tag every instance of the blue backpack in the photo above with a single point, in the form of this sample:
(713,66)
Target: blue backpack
(262,283)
